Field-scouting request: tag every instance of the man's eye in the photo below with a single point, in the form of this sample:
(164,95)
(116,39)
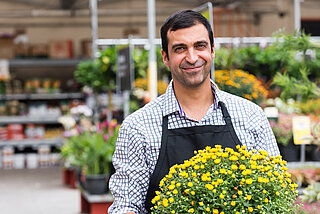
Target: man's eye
(201,46)
(179,49)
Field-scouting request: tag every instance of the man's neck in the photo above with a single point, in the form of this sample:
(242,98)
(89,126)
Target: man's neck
(195,102)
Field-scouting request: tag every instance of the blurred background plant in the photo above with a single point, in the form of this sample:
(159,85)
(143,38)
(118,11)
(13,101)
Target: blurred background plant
(91,150)
(140,95)
(311,106)
(310,199)
(296,77)
(99,74)
(282,129)
(241,83)
(291,63)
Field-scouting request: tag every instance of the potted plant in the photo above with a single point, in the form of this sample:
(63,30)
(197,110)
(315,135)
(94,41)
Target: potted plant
(91,150)
(220,180)
(97,158)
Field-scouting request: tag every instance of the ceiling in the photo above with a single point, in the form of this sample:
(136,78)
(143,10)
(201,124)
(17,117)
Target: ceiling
(84,4)
(64,8)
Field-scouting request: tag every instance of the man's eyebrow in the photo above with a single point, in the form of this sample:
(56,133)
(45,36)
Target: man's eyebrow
(183,45)
(201,42)
(178,45)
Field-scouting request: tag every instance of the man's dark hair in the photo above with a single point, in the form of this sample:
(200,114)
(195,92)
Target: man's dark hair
(180,20)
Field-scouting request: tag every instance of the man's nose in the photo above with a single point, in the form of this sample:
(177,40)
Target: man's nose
(192,56)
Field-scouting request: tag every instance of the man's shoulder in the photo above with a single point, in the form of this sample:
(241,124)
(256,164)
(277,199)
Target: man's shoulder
(150,111)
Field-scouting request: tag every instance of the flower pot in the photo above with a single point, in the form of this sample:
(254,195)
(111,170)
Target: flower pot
(97,184)
(313,152)
(289,152)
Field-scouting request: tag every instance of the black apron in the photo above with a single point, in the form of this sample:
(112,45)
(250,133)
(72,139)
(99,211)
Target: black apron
(178,145)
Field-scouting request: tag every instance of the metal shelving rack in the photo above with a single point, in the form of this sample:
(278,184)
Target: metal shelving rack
(41,119)
(37,65)
(44,96)
(32,142)
(43,62)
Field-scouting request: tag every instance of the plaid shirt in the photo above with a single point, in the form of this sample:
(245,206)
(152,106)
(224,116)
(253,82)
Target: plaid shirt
(139,141)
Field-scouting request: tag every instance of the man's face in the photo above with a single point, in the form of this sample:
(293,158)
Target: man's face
(190,56)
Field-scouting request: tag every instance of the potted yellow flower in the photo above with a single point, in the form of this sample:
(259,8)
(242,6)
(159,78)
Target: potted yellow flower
(225,181)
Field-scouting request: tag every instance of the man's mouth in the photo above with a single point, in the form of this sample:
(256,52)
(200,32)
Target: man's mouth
(191,68)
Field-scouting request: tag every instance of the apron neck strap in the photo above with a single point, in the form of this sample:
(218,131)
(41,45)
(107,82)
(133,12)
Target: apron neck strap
(225,113)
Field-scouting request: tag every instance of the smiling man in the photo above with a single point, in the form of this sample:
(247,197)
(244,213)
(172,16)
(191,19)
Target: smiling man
(192,114)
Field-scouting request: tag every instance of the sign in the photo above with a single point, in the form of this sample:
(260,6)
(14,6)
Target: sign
(301,127)
(124,72)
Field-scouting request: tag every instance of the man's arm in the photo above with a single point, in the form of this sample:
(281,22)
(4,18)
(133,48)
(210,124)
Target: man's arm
(130,182)
(263,134)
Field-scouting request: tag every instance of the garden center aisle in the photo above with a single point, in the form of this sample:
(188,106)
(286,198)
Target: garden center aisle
(36,191)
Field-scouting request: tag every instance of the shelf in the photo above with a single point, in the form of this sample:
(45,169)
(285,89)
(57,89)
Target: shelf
(44,96)
(43,119)
(44,62)
(32,142)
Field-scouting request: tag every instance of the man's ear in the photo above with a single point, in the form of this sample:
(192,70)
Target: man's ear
(165,58)
(213,53)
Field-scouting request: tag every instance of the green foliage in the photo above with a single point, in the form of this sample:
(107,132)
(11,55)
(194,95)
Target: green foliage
(92,152)
(260,62)
(311,193)
(98,152)
(288,53)
(140,58)
(99,74)
(297,86)
(295,80)
(310,107)
(72,150)
(163,71)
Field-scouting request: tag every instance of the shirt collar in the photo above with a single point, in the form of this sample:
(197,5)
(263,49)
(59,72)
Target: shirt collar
(171,104)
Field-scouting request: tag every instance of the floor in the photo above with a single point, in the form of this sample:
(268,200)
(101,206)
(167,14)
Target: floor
(36,191)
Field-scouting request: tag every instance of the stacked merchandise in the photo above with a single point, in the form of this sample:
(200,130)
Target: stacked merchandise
(18,132)
(7,157)
(15,132)
(44,157)
(3,133)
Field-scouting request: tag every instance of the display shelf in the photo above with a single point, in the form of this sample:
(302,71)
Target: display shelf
(95,204)
(43,119)
(44,62)
(42,96)
(32,142)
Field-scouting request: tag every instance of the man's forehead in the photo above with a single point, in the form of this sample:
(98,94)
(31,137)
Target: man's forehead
(175,37)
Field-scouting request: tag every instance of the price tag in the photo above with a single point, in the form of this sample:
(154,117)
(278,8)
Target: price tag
(301,127)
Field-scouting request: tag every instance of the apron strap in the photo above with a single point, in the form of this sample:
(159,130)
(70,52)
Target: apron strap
(162,160)
(227,119)
(225,113)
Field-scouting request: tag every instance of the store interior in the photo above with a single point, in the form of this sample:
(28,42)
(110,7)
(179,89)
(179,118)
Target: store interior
(47,95)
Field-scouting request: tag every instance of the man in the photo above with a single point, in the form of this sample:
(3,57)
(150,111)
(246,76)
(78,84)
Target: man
(192,114)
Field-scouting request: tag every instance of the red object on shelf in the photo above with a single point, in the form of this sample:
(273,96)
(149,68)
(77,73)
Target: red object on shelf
(16,128)
(66,176)
(73,179)
(69,177)
(95,204)
(15,136)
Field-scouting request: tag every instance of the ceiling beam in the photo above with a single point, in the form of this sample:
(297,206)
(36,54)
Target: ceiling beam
(79,24)
(81,13)
(37,3)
